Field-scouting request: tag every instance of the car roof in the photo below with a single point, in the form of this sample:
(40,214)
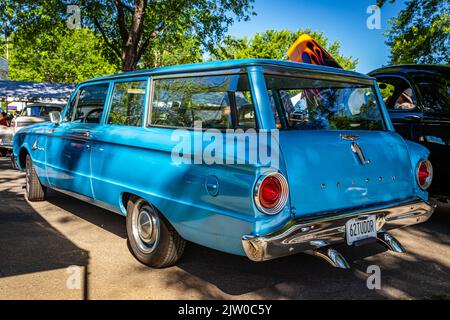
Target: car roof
(409,68)
(232,64)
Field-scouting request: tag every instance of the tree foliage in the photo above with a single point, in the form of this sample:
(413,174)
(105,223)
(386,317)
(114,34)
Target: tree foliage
(274,44)
(58,55)
(164,52)
(420,33)
(130,27)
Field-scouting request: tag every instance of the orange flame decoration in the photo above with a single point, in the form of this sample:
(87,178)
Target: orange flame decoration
(307,50)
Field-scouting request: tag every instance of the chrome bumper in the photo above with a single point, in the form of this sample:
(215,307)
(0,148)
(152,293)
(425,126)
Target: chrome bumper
(6,145)
(312,233)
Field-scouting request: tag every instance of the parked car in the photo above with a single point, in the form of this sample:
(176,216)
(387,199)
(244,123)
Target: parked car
(31,114)
(35,113)
(343,175)
(5,134)
(418,100)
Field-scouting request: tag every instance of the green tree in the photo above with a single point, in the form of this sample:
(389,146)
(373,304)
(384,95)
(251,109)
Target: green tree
(130,27)
(274,44)
(420,33)
(165,52)
(58,55)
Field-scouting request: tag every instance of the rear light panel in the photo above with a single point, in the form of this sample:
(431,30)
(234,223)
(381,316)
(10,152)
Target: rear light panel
(424,174)
(271,193)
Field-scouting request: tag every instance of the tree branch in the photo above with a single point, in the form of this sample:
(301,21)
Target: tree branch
(121,21)
(105,38)
(158,28)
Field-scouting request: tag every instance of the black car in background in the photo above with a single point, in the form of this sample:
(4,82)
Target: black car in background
(418,101)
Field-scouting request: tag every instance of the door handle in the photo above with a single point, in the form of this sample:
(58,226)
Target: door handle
(82,133)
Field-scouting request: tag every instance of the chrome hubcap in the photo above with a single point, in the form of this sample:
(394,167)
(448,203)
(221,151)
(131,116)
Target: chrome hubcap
(145,227)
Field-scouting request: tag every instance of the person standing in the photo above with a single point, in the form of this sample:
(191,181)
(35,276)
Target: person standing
(4,119)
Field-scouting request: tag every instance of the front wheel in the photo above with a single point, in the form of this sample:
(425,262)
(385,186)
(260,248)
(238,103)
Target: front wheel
(151,238)
(35,191)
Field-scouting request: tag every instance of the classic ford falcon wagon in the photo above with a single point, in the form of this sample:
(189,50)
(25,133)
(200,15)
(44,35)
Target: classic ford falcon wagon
(258,158)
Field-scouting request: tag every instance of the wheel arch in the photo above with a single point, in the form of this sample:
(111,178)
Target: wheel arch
(22,157)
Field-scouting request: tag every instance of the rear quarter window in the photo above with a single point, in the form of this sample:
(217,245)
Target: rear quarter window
(219,102)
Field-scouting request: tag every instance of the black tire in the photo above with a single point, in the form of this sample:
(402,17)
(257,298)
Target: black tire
(35,191)
(165,246)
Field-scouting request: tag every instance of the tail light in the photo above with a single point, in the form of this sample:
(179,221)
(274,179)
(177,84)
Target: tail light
(271,193)
(424,174)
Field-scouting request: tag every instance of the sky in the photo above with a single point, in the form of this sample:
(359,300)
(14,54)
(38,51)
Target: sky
(344,20)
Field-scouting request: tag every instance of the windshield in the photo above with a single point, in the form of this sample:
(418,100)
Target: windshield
(435,91)
(39,111)
(309,104)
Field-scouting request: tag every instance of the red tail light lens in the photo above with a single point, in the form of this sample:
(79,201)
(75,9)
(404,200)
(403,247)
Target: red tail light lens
(271,193)
(424,174)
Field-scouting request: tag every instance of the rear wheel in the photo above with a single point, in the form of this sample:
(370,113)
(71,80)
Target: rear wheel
(151,238)
(35,191)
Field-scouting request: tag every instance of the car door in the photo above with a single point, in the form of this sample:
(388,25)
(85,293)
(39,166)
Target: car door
(118,155)
(400,98)
(69,144)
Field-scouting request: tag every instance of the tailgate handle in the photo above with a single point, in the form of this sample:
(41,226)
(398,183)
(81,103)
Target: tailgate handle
(358,151)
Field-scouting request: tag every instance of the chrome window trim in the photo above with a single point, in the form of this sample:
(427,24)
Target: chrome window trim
(228,72)
(112,85)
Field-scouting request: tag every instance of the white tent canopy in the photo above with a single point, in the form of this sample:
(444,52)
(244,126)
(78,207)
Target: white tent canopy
(34,91)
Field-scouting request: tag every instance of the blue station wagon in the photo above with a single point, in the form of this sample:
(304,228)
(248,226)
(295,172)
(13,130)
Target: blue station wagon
(258,158)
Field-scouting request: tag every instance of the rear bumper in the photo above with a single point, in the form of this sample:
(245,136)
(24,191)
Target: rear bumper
(6,145)
(312,233)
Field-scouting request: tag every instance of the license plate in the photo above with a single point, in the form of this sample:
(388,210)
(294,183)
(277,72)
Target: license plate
(360,228)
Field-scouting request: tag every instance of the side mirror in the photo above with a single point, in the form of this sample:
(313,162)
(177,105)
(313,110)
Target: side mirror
(55,117)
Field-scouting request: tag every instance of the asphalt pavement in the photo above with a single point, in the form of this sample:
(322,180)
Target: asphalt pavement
(64,248)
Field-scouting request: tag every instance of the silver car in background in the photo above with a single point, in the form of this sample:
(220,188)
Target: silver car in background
(31,114)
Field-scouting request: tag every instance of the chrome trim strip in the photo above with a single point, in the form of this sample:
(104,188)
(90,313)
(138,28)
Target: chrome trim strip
(304,235)
(84,198)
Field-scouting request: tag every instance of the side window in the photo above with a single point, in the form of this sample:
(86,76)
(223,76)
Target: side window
(88,106)
(127,104)
(220,102)
(397,93)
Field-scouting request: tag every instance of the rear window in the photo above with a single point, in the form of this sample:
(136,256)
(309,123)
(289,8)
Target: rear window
(435,90)
(39,111)
(309,104)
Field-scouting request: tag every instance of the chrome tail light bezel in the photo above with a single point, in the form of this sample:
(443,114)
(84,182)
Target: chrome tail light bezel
(430,175)
(283,198)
